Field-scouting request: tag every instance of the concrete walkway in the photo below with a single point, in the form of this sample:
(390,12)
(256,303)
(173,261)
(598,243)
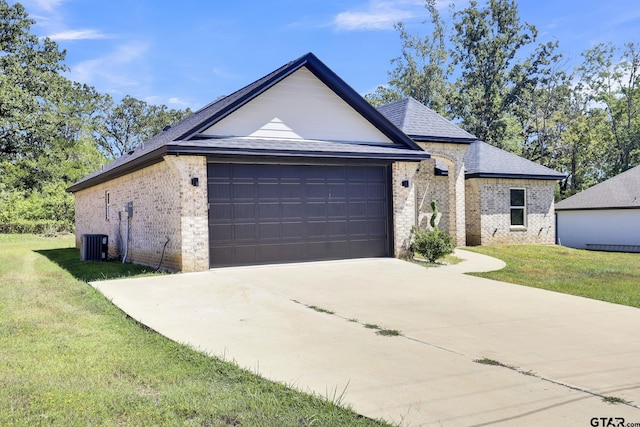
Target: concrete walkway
(575,350)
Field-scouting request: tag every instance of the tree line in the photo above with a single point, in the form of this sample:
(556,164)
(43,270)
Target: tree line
(483,68)
(54,131)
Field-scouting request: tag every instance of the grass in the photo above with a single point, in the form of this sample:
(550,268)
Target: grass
(321,310)
(71,358)
(388,332)
(615,400)
(606,276)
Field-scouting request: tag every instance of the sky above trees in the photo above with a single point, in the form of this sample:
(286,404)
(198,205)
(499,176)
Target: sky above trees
(187,54)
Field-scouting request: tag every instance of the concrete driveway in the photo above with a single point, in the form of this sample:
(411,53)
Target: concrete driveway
(564,353)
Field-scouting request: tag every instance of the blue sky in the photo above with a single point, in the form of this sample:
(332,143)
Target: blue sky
(188,53)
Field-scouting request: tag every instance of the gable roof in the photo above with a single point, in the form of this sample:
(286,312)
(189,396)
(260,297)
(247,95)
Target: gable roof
(483,160)
(423,124)
(620,192)
(183,137)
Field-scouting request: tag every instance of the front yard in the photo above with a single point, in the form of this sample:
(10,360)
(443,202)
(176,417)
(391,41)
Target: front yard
(71,358)
(606,276)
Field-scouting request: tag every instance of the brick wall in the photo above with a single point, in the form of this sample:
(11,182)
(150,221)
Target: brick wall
(404,205)
(488,212)
(166,207)
(449,192)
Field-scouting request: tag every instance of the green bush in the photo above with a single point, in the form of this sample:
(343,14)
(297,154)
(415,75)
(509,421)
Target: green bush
(46,211)
(46,227)
(433,244)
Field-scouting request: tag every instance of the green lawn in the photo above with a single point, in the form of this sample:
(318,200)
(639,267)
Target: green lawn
(606,276)
(68,357)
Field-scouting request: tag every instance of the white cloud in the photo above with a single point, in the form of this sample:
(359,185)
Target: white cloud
(177,102)
(45,5)
(86,34)
(377,15)
(120,70)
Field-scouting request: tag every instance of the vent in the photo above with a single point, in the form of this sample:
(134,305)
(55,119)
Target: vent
(94,247)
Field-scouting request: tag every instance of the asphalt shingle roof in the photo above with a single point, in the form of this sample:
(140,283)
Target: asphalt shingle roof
(481,159)
(422,123)
(182,136)
(485,160)
(621,191)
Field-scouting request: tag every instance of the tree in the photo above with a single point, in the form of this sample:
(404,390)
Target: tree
(29,81)
(610,78)
(124,126)
(421,70)
(487,43)
(543,112)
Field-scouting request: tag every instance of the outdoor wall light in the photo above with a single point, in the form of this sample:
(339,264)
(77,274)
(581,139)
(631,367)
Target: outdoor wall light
(195,182)
(405,183)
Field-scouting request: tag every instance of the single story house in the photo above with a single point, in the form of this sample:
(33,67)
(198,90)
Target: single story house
(298,166)
(603,217)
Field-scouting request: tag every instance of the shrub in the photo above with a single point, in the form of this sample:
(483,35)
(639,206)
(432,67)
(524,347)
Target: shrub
(432,245)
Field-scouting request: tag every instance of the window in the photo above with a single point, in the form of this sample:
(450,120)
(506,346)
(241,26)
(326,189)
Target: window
(107,205)
(518,207)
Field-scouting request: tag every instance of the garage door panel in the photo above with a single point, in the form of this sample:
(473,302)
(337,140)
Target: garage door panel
(358,227)
(293,252)
(337,191)
(376,209)
(293,230)
(357,209)
(291,190)
(376,227)
(292,210)
(316,210)
(219,191)
(246,231)
(270,231)
(269,210)
(317,191)
(336,210)
(245,255)
(357,190)
(244,211)
(268,190)
(337,228)
(316,229)
(221,232)
(275,213)
(220,211)
(376,191)
(243,191)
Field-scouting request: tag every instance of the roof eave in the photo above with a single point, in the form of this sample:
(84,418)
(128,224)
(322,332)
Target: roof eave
(205,151)
(423,138)
(515,176)
(147,159)
(598,208)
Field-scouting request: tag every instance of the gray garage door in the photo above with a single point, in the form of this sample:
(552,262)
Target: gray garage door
(261,213)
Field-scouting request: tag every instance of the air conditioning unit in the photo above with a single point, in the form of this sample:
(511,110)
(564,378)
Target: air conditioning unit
(94,247)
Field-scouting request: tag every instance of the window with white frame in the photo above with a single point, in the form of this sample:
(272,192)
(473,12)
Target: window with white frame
(107,205)
(518,207)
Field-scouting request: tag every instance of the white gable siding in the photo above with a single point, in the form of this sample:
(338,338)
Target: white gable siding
(577,229)
(299,107)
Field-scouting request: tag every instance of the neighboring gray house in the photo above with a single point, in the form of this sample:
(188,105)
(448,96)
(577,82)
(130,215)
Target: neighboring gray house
(298,166)
(603,217)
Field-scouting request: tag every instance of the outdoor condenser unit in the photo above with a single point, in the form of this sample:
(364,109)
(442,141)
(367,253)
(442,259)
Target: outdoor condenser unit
(94,247)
